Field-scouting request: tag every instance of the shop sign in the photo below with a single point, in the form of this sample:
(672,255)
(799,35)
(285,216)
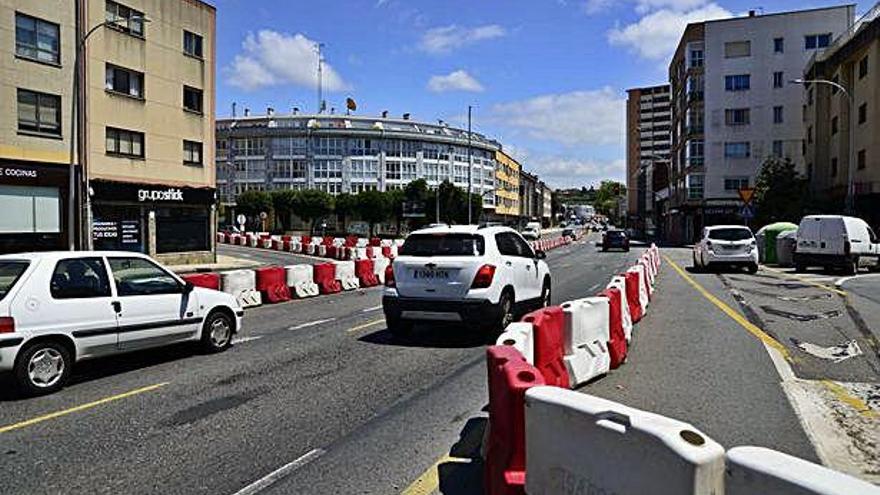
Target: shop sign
(117,234)
(19,172)
(170,194)
(150,193)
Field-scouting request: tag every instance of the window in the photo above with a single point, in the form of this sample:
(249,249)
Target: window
(863,67)
(737,49)
(443,245)
(861,160)
(739,82)
(834,167)
(778,114)
(10,272)
(39,112)
(813,41)
(140,277)
(125,19)
(37,39)
(79,278)
(778,79)
(192,99)
(695,186)
(737,149)
(833,125)
(778,45)
(37,210)
(192,153)
(192,44)
(810,134)
(777,148)
(736,116)
(123,142)
(863,113)
(182,229)
(735,183)
(512,245)
(696,58)
(124,81)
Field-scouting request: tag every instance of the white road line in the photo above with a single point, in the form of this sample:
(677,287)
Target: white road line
(374,308)
(839,283)
(593,287)
(310,324)
(242,340)
(285,470)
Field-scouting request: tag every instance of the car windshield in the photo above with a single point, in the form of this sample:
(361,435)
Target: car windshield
(443,245)
(730,234)
(10,271)
(615,234)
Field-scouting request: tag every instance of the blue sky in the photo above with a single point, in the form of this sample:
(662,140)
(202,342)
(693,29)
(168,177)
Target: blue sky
(546,77)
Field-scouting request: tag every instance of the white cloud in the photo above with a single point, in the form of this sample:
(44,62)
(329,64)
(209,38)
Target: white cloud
(597,6)
(441,40)
(593,117)
(645,6)
(270,58)
(656,35)
(566,172)
(458,80)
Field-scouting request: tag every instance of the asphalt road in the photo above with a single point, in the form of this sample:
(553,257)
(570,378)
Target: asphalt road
(319,378)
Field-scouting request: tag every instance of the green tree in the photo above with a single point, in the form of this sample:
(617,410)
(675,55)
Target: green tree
(781,193)
(417,193)
(374,208)
(395,198)
(606,197)
(346,205)
(252,203)
(283,201)
(312,204)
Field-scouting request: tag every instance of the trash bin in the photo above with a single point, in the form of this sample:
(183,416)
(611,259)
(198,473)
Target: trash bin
(768,240)
(785,243)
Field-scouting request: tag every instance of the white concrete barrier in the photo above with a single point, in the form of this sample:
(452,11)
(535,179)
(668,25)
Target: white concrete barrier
(587,332)
(578,443)
(345,275)
(521,336)
(242,284)
(643,287)
(300,278)
(618,282)
(758,470)
(379,265)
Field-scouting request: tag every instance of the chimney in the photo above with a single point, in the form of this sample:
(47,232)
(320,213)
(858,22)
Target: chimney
(296,110)
(406,116)
(270,111)
(751,13)
(233,109)
(247,112)
(384,114)
(332,110)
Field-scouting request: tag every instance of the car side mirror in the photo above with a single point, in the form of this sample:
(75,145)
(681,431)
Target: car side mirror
(540,255)
(188,287)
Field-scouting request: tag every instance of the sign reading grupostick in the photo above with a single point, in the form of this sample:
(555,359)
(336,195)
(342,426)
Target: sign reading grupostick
(151,193)
(170,194)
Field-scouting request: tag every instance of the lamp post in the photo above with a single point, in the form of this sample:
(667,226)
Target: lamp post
(851,165)
(77,146)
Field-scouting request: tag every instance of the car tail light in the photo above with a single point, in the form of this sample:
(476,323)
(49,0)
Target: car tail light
(847,248)
(389,277)
(484,276)
(7,324)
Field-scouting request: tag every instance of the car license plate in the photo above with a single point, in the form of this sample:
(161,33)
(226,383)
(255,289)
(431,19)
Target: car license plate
(420,274)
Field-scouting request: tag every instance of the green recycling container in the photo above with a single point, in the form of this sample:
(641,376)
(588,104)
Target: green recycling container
(768,239)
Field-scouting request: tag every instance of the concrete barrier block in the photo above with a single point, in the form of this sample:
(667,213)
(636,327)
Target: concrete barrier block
(578,443)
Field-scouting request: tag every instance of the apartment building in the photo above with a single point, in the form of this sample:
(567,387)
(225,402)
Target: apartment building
(733,107)
(546,204)
(648,123)
(507,201)
(835,118)
(528,190)
(36,93)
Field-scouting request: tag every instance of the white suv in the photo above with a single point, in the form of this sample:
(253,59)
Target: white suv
(480,276)
(727,245)
(61,307)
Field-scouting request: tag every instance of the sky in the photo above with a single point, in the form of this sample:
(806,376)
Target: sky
(546,78)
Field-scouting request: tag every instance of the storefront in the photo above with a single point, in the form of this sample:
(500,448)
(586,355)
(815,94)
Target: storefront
(33,206)
(175,224)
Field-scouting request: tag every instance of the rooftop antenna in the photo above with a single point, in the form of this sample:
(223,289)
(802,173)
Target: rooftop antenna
(318,47)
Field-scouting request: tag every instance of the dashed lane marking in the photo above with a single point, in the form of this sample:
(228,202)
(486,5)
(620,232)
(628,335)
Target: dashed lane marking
(365,325)
(280,473)
(374,308)
(82,407)
(310,324)
(242,340)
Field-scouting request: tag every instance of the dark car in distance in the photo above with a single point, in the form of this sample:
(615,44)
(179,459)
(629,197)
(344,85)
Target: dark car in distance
(615,239)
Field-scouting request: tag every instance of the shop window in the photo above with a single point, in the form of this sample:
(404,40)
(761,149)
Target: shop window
(182,229)
(125,143)
(37,39)
(124,81)
(79,278)
(124,18)
(192,99)
(37,210)
(192,44)
(39,112)
(192,153)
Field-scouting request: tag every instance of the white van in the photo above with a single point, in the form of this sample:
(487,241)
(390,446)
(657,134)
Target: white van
(835,241)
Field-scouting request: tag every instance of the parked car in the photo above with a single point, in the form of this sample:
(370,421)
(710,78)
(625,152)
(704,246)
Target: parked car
(733,245)
(835,241)
(59,308)
(531,233)
(568,232)
(484,277)
(615,239)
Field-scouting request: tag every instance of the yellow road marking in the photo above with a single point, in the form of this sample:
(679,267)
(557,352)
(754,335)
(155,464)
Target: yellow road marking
(844,396)
(430,479)
(806,281)
(365,325)
(83,407)
(737,317)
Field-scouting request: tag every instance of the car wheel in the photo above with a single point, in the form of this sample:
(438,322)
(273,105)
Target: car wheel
(800,268)
(546,294)
(217,332)
(505,307)
(400,329)
(43,368)
(752,268)
(695,265)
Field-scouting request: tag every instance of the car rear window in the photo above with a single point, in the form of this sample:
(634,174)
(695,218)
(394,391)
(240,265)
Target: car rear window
(10,272)
(730,234)
(443,245)
(615,234)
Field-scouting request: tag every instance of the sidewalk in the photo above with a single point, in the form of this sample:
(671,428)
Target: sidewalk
(223,263)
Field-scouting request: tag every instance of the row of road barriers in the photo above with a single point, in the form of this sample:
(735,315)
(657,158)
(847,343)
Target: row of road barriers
(339,248)
(545,439)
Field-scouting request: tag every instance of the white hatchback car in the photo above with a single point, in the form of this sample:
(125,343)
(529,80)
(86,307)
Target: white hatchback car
(58,308)
(727,245)
(480,276)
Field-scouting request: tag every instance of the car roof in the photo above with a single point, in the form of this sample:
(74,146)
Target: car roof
(713,227)
(56,255)
(463,229)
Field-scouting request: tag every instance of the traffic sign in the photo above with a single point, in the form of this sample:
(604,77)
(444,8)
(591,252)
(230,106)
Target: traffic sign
(746,193)
(747,212)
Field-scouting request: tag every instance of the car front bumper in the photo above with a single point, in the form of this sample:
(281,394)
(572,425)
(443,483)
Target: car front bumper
(471,311)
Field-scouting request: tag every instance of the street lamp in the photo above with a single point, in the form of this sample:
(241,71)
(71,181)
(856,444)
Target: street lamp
(851,166)
(78,145)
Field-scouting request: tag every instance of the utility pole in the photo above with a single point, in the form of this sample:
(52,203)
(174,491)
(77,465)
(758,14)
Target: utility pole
(470,169)
(318,47)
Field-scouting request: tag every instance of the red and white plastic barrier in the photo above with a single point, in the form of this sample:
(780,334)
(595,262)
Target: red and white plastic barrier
(300,279)
(379,265)
(242,284)
(271,281)
(619,282)
(206,280)
(547,324)
(586,330)
(346,276)
(520,336)
(325,277)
